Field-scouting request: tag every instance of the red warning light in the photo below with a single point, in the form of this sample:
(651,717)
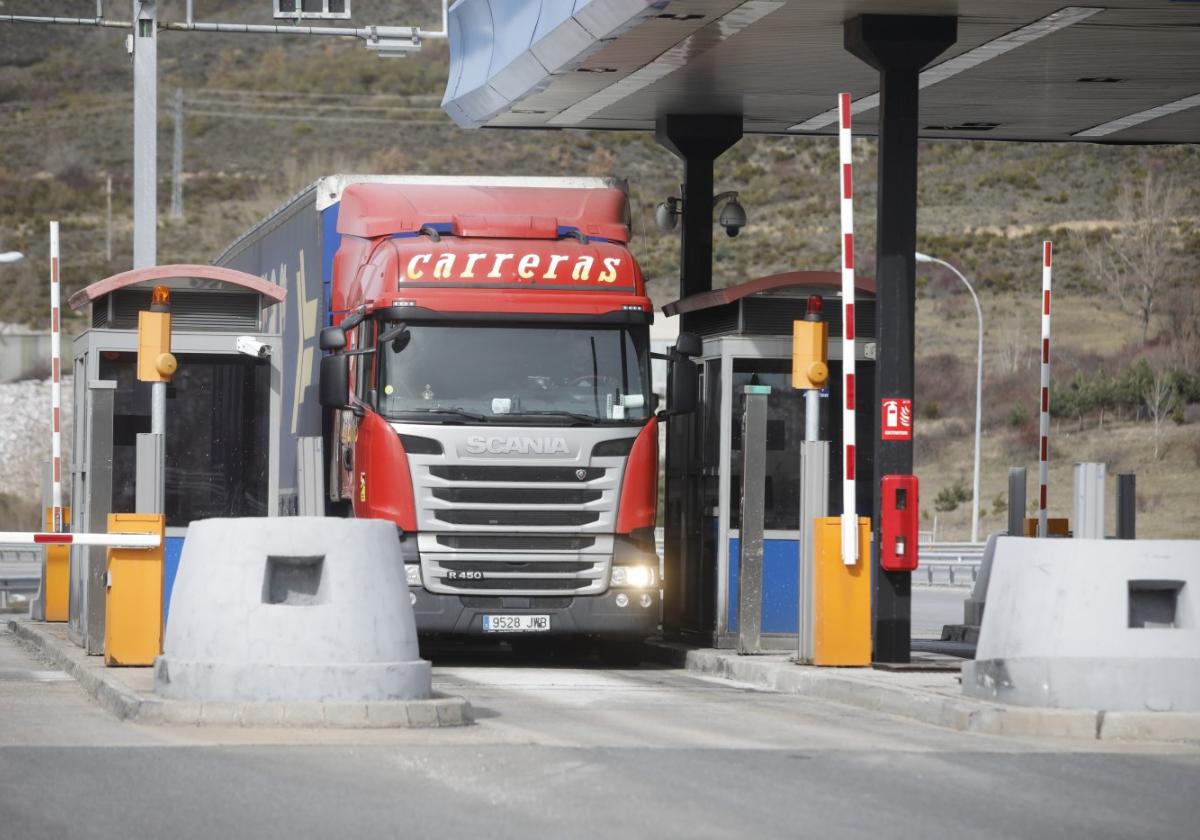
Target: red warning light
(815,305)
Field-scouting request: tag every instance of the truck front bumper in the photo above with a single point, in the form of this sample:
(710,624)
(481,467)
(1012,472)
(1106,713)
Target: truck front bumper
(600,615)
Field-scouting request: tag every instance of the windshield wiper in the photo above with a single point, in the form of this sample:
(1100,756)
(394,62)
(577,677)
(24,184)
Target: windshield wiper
(571,415)
(456,412)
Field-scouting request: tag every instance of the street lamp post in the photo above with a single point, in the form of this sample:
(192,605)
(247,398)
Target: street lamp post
(924,258)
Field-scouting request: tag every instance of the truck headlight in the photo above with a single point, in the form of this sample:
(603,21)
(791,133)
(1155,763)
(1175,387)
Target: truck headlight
(635,577)
(412,572)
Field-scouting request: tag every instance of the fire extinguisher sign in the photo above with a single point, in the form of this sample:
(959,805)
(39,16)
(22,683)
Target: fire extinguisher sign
(896,419)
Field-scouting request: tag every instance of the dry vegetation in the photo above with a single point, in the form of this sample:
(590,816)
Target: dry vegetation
(264,118)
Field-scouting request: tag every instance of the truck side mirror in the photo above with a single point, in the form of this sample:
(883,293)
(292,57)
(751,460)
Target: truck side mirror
(334,386)
(684,390)
(332,338)
(688,344)
(398,335)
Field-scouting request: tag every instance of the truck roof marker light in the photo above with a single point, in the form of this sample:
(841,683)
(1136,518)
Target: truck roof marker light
(404,303)
(1051,23)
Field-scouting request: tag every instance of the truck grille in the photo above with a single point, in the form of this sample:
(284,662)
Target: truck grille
(514,496)
(515,526)
(527,518)
(505,473)
(514,542)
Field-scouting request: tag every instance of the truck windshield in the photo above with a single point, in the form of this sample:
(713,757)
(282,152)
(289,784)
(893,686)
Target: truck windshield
(503,373)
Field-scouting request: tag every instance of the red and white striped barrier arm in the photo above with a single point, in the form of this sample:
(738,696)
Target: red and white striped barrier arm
(56,522)
(849,502)
(1044,420)
(52,538)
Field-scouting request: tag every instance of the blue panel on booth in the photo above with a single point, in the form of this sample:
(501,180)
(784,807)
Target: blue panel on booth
(171,554)
(781,585)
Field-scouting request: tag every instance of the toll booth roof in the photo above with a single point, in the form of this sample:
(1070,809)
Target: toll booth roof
(203,297)
(768,305)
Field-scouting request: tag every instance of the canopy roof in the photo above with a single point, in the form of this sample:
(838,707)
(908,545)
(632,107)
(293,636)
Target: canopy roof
(1020,70)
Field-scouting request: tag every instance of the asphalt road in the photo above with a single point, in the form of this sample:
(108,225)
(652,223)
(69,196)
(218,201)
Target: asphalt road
(570,750)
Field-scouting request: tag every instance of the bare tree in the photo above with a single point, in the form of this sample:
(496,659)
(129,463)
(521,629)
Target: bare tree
(1160,397)
(1136,264)
(1183,324)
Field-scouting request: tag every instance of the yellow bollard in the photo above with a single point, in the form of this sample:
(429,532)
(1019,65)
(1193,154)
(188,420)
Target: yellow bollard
(842,595)
(133,596)
(57,585)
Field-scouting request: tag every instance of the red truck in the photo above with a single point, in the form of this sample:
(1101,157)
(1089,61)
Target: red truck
(480,348)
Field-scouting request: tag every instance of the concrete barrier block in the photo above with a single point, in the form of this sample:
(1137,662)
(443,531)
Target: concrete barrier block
(422,715)
(291,609)
(1091,624)
(1151,726)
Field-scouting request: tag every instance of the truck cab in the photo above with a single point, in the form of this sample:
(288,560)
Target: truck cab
(487,380)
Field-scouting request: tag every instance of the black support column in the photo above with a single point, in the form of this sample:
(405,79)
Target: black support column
(689,582)
(898,47)
(698,140)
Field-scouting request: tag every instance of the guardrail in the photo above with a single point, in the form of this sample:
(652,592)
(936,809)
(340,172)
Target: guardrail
(955,560)
(20,572)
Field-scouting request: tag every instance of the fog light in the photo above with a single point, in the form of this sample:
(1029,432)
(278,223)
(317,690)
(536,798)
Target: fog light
(412,572)
(622,600)
(645,600)
(637,577)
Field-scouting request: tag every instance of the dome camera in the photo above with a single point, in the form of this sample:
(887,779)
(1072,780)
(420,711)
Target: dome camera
(733,216)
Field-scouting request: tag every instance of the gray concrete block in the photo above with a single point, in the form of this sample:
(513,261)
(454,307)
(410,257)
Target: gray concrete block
(346,715)
(1151,726)
(1091,624)
(260,714)
(181,712)
(450,712)
(303,714)
(422,714)
(388,714)
(307,609)
(220,714)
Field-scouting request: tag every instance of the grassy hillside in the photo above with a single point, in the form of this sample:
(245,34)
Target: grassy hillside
(265,115)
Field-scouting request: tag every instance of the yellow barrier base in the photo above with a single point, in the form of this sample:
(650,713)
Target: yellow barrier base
(133,598)
(842,595)
(57,585)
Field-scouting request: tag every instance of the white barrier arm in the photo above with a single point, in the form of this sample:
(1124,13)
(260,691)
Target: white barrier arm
(108,540)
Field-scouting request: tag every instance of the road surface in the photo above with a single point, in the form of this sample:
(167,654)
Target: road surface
(571,750)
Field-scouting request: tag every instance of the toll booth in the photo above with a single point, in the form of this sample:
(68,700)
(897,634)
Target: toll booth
(746,333)
(221,435)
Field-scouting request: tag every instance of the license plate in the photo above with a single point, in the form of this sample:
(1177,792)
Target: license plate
(516,623)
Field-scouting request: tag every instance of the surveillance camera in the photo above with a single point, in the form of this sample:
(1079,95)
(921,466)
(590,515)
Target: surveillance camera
(667,214)
(251,346)
(733,216)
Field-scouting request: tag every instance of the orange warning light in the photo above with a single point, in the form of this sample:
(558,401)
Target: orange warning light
(160,299)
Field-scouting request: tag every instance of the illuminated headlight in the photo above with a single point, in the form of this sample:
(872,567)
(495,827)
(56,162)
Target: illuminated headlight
(412,571)
(636,577)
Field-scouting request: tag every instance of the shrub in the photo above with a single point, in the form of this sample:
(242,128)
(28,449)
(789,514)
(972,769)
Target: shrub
(949,498)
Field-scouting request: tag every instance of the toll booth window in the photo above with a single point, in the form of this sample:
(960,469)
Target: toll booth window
(216,435)
(785,430)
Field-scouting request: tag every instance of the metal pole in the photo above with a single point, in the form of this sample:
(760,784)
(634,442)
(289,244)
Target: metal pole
(108,218)
(145,133)
(1044,419)
(812,415)
(158,409)
(1016,501)
(849,491)
(978,388)
(814,504)
(750,565)
(55,384)
(1126,506)
(177,159)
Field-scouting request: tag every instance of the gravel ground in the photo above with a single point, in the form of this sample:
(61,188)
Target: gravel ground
(25,435)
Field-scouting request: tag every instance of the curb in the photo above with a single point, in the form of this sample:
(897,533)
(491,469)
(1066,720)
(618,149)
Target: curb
(964,714)
(97,680)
